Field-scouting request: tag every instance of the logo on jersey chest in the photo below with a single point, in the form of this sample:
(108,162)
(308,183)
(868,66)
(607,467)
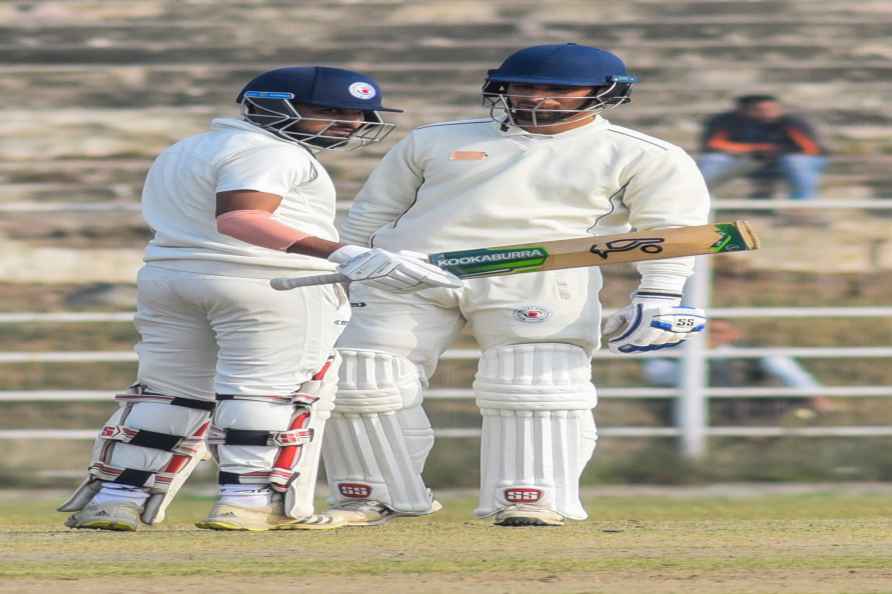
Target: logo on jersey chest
(531,314)
(467,156)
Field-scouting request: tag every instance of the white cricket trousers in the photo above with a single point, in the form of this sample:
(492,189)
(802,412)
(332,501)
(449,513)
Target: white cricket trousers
(203,334)
(553,306)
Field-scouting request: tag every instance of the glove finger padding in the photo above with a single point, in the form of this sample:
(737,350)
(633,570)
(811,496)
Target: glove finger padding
(367,266)
(423,272)
(651,327)
(402,273)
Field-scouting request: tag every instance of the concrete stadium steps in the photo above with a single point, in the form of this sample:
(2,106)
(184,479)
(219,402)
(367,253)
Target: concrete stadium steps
(115,133)
(118,82)
(86,12)
(453,84)
(73,172)
(156,45)
(42,182)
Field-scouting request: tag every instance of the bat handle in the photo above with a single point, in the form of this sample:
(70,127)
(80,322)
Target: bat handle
(286,284)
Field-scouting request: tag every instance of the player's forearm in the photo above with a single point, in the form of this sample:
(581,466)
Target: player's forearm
(259,228)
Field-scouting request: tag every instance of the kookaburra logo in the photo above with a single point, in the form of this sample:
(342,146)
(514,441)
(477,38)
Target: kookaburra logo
(648,245)
(491,257)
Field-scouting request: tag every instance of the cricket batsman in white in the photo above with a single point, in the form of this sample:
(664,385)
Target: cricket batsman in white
(544,166)
(225,361)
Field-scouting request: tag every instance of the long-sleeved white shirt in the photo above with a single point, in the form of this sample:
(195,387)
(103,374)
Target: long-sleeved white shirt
(471,184)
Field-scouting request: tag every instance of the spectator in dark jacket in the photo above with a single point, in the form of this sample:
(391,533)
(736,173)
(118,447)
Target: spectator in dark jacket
(759,139)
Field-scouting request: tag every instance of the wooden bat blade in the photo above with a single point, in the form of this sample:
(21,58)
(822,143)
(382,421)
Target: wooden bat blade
(654,244)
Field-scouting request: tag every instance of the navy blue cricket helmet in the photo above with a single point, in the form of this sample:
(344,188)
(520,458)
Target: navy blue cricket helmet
(272,101)
(564,65)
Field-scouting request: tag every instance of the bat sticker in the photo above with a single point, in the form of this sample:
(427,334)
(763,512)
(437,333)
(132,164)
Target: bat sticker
(648,245)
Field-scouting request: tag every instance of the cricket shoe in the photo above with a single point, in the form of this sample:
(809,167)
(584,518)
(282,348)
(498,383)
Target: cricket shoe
(225,516)
(523,515)
(118,516)
(369,512)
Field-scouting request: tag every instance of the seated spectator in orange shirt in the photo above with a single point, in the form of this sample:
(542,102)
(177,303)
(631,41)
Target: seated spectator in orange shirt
(759,139)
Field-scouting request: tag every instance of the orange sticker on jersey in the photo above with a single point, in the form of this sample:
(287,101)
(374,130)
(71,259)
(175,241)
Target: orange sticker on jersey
(467,156)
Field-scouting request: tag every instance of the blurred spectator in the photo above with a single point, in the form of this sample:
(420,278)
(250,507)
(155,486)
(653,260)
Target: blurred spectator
(749,372)
(759,140)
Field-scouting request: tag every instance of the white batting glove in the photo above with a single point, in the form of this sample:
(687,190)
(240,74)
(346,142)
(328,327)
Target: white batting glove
(405,272)
(653,321)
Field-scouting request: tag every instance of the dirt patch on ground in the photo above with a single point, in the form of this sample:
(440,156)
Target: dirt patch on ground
(736,540)
(606,582)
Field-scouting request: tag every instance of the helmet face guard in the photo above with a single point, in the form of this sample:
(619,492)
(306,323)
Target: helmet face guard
(276,113)
(605,97)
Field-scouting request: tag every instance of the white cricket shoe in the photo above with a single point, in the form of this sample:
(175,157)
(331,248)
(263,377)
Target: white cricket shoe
(368,512)
(121,516)
(524,515)
(225,516)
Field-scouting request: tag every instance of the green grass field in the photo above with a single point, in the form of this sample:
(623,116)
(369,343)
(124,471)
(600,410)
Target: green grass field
(820,542)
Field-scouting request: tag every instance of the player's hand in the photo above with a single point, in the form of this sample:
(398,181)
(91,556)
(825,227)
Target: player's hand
(652,322)
(405,272)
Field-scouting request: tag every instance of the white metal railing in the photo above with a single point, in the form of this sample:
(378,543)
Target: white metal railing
(693,427)
(344,205)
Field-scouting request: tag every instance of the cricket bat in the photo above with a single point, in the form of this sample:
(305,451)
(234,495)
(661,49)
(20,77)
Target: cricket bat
(654,244)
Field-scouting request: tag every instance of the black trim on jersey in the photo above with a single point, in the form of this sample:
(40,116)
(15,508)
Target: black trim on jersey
(401,215)
(637,138)
(459,123)
(612,210)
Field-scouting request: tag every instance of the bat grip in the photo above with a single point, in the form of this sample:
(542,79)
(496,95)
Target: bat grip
(286,284)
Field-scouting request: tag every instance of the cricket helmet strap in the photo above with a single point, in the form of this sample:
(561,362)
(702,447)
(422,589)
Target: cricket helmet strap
(568,65)
(271,101)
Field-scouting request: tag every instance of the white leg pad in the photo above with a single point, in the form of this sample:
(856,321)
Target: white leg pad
(538,430)
(276,440)
(379,436)
(153,442)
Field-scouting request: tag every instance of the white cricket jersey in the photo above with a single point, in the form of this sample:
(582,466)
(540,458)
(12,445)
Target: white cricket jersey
(470,184)
(179,199)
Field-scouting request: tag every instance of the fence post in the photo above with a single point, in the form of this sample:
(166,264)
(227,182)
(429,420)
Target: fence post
(690,405)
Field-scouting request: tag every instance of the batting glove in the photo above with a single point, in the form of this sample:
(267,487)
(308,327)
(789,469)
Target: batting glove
(653,321)
(405,272)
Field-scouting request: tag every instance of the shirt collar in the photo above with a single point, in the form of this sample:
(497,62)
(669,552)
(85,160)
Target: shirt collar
(599,123)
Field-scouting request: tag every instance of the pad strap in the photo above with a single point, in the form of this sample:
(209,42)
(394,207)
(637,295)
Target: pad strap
(184,447)
(176,444)
(158,481)
(290,442)
(253,437)
(140,394)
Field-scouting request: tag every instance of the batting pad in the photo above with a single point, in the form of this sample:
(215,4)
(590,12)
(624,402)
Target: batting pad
(152,441)
(379,436)
(538,429)
(276,440)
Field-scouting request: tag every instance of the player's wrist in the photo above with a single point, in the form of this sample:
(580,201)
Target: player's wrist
(656,297)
